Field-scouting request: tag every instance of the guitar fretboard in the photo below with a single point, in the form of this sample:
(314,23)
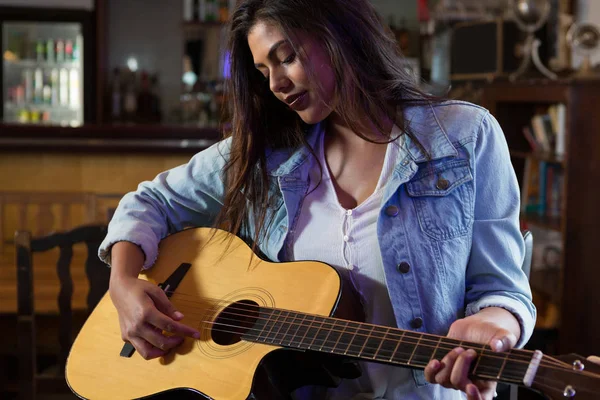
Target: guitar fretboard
(378,343)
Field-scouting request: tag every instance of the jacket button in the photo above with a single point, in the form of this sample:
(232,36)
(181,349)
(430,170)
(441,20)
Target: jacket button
(442,184)
(416,323)
(403,267)
(392,211)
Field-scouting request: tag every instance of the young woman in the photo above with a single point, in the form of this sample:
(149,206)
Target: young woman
(335,155)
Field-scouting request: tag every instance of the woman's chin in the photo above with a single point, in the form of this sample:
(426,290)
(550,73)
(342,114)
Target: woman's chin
(311,117)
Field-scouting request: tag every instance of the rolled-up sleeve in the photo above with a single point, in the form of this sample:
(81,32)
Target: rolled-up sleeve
(190,195)
(494,275)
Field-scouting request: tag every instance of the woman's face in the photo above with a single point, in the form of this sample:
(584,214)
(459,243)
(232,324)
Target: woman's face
(288,78)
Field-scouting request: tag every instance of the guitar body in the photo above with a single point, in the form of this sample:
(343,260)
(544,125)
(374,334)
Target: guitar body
(95,369)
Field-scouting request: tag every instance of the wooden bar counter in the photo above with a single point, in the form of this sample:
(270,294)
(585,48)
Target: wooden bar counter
(92,165)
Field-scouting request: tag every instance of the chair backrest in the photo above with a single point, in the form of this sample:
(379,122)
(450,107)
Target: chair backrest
(44,212)
(97,275)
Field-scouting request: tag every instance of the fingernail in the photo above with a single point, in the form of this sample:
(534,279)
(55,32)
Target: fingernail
(459,350)
(435,364)
(177,315)
(498,345)
(197,335)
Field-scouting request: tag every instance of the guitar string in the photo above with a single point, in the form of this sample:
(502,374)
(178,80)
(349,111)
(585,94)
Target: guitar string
(517,379)
(412,357)
(523,357)
(560,365)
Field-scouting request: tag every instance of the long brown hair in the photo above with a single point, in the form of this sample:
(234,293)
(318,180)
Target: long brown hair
(352,34)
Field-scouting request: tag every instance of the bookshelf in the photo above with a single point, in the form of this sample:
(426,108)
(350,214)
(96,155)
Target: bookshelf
(577,282)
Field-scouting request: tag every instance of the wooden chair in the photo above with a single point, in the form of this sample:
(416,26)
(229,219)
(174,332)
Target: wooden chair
(31,381)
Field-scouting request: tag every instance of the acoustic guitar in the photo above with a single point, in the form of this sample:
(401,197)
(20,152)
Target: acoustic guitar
(250,312)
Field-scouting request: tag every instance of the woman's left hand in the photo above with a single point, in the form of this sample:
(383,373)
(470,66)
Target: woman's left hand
(493,326)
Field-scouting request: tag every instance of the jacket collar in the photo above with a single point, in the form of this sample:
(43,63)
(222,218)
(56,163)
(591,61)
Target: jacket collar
(421,120)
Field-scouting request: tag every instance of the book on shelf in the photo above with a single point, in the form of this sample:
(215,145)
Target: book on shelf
(546,131)
(542,188)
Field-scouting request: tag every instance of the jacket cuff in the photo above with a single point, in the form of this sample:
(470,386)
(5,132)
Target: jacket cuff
(146,241)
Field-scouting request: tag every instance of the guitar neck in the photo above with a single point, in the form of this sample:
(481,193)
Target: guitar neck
(378,343)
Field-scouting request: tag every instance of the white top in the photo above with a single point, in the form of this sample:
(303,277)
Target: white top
(347,240)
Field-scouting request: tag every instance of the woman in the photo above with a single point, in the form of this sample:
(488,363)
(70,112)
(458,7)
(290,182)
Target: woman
(334,147)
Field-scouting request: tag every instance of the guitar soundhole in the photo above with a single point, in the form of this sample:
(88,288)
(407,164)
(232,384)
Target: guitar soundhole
(234,322)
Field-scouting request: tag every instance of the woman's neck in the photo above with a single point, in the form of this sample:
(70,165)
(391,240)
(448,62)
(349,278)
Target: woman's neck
(338,130)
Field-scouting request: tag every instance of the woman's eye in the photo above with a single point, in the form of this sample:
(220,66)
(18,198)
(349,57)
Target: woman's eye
(289,59)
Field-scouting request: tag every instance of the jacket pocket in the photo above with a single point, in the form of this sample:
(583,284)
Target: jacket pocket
(442,194)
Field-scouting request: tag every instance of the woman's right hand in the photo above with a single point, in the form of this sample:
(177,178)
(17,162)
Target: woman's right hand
(145,315)
(148,319)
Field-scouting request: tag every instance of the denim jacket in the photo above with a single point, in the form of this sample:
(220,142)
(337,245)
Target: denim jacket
(448,227)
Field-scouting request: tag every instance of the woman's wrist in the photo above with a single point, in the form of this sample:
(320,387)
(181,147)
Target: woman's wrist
(504,318)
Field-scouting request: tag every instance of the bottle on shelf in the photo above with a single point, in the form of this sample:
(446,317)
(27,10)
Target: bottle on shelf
(28,83)
(63,84)
(74,88)
(39,51)
(23,116)
(38,85)
(50,56)
(60,50)
(76,53)
(46,89)
(68,50)
(54,87)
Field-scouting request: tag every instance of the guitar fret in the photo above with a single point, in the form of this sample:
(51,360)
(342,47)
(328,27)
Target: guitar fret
(349,337)
(373,341)
(383,339)
(273,324)
(299,325)
(281,326)
(304,336)
(415,349)
(339,333)
(317,340)
(397,345)
(362,349)
(407,347)
(330,330)
(284,338)
(477,363)
(503,365)
(437,346)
